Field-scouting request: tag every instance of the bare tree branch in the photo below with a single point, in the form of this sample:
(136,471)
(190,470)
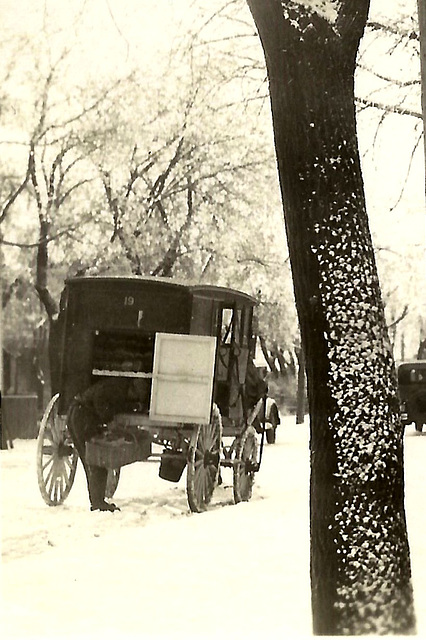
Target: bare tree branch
(401,317)
(388,108)
(392,29)
(164,268)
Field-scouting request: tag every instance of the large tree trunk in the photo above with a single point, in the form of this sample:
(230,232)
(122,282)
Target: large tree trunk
(360,567)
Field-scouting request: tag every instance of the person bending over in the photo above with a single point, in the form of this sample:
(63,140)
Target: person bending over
(87,415)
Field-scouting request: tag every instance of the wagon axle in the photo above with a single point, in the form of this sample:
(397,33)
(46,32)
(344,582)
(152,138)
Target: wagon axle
(65,450)
(251,467)
(211,458)
(248,466)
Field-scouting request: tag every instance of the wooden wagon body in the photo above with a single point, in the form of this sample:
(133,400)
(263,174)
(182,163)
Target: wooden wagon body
(193,345)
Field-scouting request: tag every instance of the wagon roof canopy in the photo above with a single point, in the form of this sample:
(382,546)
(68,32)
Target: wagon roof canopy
(205,290)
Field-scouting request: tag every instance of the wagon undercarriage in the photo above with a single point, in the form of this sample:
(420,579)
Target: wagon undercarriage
(202,449)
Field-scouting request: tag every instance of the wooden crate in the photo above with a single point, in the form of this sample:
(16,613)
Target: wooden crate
(113,453)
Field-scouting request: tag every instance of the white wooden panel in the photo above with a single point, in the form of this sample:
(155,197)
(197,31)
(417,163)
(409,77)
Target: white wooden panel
(182,378)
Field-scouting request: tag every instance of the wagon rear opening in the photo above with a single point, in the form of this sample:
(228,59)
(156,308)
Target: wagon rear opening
(172,381)
(116,353)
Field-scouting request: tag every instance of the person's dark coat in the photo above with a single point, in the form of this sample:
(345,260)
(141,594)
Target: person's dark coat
(87,415)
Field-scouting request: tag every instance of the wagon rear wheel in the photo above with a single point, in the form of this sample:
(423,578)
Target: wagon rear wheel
(245,465)
(203,462)
(56,456)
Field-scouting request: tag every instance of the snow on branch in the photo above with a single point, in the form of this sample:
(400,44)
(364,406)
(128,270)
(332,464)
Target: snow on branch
(398,30)
(327,9)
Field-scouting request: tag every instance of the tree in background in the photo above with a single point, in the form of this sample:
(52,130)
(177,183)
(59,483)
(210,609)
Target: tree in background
(46,201)
(388,102)
(360,567)
(388,108)
(133,176)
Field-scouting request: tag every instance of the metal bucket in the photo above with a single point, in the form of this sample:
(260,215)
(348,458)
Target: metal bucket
(172,465)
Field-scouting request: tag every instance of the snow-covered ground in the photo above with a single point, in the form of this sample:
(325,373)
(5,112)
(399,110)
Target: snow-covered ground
(155,570)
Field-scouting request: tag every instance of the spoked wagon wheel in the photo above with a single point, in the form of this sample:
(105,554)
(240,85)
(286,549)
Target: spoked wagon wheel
(56,456)
(245,465)
(112,482)
(203,462)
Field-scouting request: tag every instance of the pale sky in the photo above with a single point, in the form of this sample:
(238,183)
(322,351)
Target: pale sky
(114,35)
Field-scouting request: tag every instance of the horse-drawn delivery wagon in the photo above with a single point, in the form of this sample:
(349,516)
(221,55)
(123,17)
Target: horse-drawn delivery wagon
(192,346)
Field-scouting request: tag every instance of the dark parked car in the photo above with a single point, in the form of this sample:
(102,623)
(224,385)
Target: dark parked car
(412,392)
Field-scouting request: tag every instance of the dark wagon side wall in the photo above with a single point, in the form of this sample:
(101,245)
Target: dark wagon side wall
(210,307)
(108,326)
(116,317)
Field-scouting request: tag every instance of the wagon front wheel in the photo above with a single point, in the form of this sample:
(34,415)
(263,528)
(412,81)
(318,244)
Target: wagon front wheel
(56,456)
(245,465)
(203,462)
